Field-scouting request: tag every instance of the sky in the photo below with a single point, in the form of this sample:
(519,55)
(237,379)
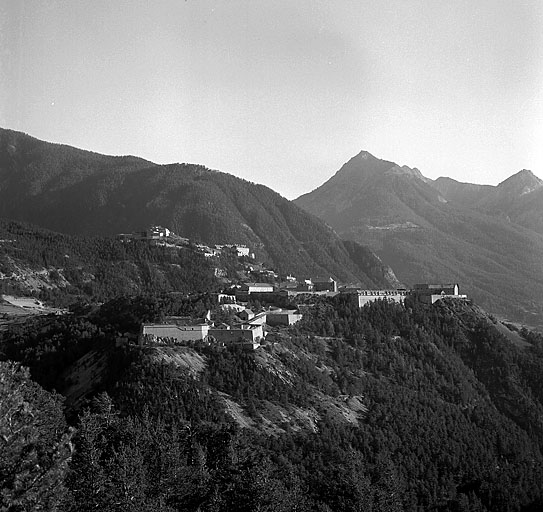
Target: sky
(282,92)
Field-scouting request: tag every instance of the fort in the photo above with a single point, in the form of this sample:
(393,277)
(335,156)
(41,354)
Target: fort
(248,333)
(427,293)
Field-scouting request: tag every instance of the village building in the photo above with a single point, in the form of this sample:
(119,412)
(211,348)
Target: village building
(275,317)
(244,291)
(427,293)
(324,284)
(366,296)
(157,233)
(304,286)
(256,288)
(172,333)
(283,317)
(245,314)
(246,336)
(431,293)
(235,308)
(241,250)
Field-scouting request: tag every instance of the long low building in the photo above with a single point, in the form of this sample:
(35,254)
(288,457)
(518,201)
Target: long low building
(427,293)
(186,334)
(173,332)
(367,296)
(246,336)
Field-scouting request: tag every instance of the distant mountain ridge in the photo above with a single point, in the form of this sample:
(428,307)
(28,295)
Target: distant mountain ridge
(519,198)
(79,192)
(487,238)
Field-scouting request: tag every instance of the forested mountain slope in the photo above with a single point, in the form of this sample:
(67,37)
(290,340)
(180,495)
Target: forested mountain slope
(63,269)
(430,231)
(83,193)
(384,408)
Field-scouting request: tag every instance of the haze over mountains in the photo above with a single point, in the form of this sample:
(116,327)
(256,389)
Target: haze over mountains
(78,192)
(487,238)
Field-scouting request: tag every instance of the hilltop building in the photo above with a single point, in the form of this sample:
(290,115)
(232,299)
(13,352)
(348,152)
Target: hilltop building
(427,293)
(430,293)
(170,332)
(256,288)
(247,336)
(178,334)
(324,284)
(157,233)
(366,296)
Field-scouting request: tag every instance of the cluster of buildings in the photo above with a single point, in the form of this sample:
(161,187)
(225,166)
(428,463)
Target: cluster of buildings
(248,333)
(266,292)
(154,235)
(248,329)
(158,235)
(289,288)
(426,293)
(218,249)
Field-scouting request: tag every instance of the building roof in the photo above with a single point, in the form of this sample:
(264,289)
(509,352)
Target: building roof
(322,279)
(428,286)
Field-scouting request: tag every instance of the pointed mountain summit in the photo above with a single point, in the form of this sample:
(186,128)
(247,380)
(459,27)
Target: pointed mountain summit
(521,183)
(442,230)
(73,191)
(372,193)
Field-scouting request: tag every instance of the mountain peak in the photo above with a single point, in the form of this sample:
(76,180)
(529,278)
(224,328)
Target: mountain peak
(364,155)
(521,183)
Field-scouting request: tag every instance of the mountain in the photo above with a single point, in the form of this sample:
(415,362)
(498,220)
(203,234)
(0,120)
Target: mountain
(385,408)
(467,194)
(63,269)
(442,231)
(519,198)
(78,192)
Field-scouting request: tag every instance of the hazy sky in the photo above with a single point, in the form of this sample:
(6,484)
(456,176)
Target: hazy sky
(282,92)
